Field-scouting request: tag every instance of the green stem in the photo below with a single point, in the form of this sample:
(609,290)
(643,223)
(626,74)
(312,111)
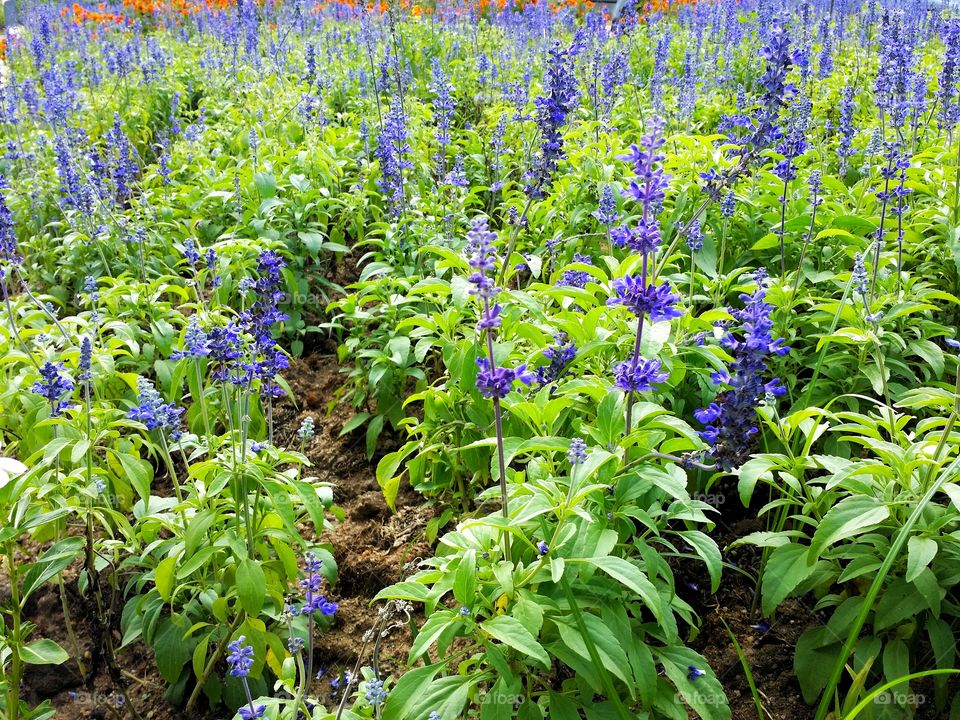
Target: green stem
(173,478)
(13,320)
(956,186)
(201,399)
(214,659)
(298,704)
(782,230)
(609,689)
(16,668)
(823,350)
(68,623)
(513,241)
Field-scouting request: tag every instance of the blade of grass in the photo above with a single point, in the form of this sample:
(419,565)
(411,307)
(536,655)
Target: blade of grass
(761,715)
(886,686)
(594,654)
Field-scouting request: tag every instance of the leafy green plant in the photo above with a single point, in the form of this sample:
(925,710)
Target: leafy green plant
(27,506)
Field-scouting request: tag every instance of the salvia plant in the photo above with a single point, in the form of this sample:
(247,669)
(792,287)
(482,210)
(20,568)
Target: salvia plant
(643,318)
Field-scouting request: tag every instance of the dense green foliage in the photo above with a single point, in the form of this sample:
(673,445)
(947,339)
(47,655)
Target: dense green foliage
(537,238)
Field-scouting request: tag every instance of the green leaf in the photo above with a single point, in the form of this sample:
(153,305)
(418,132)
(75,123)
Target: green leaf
(313,241)
(920,553)
(200,655)
(446,696)
(373,432)
(850,517)
(611,653)
(408,691)
(52,562)
(900,602)
(704,694)
(353,423)
(845,336)
(708,551)
(834,232)
(930,352)
(139,472)
(171,649)
(498,703)
(752,471)
(855,224)
(251,586)
(266,184)
(399,349)
(432,629)
(43,652)
(406,590)
(163,577)
(387,476)
(311,501)
(786,569)
(631,576)
(197,531)
(465,580)
(510,631)
(79,451)
(815,655)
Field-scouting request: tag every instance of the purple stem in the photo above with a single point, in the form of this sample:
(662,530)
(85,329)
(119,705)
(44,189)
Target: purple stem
(246,689)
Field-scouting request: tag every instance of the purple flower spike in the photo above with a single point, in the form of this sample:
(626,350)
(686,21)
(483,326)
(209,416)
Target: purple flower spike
(640,376)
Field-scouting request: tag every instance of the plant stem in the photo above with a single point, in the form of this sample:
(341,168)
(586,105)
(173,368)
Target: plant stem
(610,690)
(879,234)
(513,241)
(781,231)
(202,401)
(956,185)
(13,320)
(803,255)
(309,675)
(498,420)
(16,668)
(42,306)
(868,602)
(636,351)
(173,478)
(214,659)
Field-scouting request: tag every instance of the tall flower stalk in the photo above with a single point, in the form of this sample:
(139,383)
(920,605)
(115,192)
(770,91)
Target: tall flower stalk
(165,417)
(730,420)
(241,661)
(493,382)
(10,259)
(895,164)
(634,292)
